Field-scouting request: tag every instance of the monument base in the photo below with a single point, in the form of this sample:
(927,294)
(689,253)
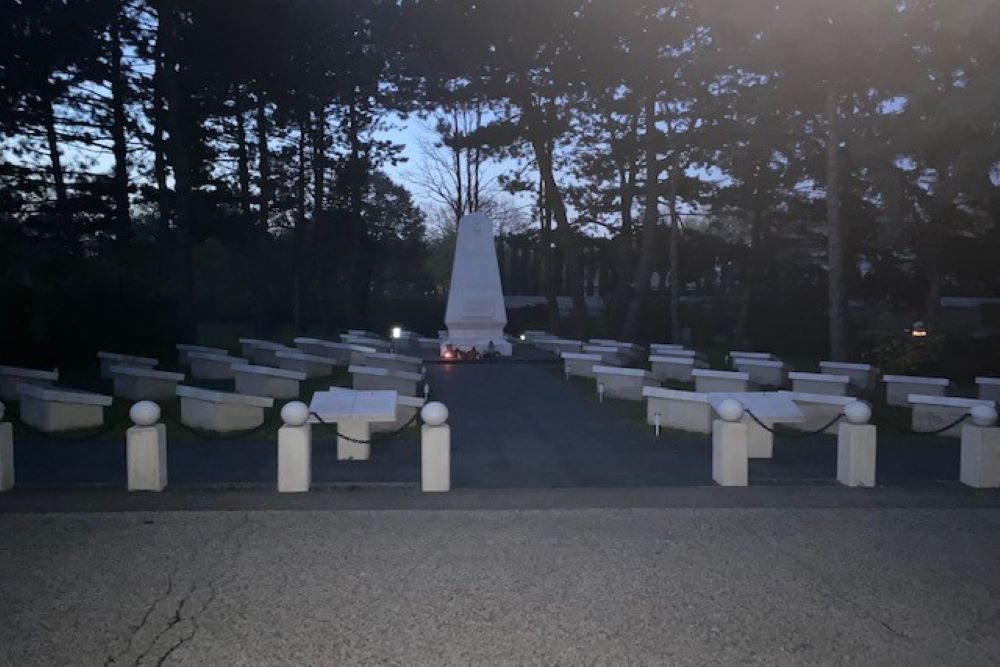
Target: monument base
(465,341)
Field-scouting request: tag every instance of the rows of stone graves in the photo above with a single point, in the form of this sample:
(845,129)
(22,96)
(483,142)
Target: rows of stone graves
(742,406)
(386,393)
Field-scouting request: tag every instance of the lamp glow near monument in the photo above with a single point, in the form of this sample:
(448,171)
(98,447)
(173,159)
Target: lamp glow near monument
(476,314)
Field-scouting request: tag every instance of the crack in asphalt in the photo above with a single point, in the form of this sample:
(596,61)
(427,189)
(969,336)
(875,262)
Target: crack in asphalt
(188,608)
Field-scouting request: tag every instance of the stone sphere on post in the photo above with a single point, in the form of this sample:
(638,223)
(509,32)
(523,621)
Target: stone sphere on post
(858,412)
(144,413)
(434,413)
(295,413)
(730,410)
(983,415)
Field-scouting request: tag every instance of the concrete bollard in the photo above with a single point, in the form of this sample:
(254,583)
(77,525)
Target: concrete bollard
(146,448)
(295,449)
(856,446)
(6,453)
(979,465)
(730,445)
(435,448)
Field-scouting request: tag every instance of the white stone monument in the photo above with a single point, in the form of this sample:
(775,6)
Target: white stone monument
(476,315)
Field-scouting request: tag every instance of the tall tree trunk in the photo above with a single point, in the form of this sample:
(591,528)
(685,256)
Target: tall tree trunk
(674,256)
(623,245)
(933,248)
(647,251)
(548,259)
(835,232)
(751,269)
(159,127)
(300,224)
(361,265)
(123,222)
(55,161)
(319,161)
(180,158)
(243,161)
(568,241)
(261,301)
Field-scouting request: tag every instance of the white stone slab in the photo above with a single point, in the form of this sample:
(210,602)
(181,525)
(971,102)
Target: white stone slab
(679,410)
(913,379)
(52,409)
(221,411)
(476,315)
(139,383)
(846,366)
(224,397)
(353,412)
(190,347)
(770,408)
(339,352)
(707,380)
(312,365)
(624,383)
(667,347)
(989,388)
(126,359)
(610,356)
(863,376)
(399,362)
(11,376)
(267,381)
(898,387)
(617,344)
(733,354)
(109,359)
(818,409)
(340,404)
(184,349)
(376,343)
(764,372)
(207,366)
(674,369)
(579,364)
(64,395)
(406,408)
(820,383)
(931,412)
(368,378)
(661,352)
(146,372)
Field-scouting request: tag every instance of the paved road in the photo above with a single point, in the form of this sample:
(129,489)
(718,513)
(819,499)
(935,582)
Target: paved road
(637,586)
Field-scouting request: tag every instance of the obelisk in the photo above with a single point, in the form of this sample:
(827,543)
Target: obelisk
(476,315)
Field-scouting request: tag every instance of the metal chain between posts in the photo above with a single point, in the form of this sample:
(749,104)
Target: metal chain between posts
(795,434)
(904,429)
(805,434)
(379,437)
